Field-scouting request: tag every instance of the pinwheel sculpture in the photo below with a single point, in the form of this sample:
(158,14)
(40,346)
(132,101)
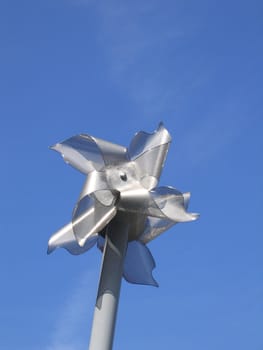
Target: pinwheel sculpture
(121,185)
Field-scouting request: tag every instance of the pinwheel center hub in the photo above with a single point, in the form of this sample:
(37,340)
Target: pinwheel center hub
(123,176)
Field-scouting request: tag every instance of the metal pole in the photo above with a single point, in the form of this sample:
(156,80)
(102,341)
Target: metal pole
(109,286)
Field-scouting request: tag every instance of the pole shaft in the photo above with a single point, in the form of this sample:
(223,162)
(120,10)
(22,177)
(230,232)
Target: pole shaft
(109,285)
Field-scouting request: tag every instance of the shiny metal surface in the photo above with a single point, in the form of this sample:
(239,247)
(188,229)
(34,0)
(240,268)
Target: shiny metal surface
(91,216)
(138,264)
(106,307)
(123,180)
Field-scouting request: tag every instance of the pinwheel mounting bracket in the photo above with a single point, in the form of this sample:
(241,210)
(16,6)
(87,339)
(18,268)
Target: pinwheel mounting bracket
(121,180)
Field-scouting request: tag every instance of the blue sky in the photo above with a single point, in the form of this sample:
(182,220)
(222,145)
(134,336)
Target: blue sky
(109,69)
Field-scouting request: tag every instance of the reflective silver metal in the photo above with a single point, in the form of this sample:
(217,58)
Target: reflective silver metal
(119,180)
(106,306)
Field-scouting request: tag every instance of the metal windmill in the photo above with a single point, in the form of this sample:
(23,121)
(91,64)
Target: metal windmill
(120,209)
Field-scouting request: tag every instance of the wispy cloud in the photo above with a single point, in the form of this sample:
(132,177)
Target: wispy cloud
(72,329)
(144,43)
(137,38)
(214,133)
